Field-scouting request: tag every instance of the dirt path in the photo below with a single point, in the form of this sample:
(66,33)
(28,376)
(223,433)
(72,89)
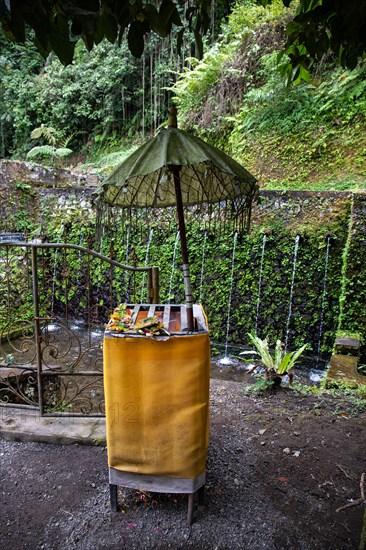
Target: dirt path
(278,469)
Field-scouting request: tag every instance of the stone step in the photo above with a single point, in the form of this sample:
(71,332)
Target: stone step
(347,346)
(343,368)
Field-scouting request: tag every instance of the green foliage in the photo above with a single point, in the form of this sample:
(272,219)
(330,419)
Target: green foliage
(308,137)
(263,309)
(292,136)
(356,392)
(56,149)
(260,386)
(44,131)
(319,29)
(353,293)
(106,163)
(48,153)
(193,87)
(311,136)
(90,106)
(303,389)
(56,27)
(278,363)
(349,334)
(210,91)
(315,30)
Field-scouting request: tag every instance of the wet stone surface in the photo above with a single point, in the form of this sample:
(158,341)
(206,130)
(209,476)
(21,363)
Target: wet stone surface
(278,469)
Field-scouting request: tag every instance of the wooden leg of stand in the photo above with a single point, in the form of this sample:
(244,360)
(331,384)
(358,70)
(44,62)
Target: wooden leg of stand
(201,498)
(190,508)
(113,497)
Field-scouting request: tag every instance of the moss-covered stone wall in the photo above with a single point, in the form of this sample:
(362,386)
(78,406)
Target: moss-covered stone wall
(302,301)
(353,295)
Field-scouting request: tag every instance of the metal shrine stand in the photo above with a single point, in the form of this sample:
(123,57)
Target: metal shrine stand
(174,318)
(157,484)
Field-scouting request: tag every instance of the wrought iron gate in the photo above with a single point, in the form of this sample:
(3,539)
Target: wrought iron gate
(54,301)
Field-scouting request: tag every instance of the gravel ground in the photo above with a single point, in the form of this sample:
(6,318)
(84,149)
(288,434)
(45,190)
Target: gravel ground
(278,469)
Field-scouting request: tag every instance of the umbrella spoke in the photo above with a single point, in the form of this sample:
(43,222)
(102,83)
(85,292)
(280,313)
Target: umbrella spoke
(157,184)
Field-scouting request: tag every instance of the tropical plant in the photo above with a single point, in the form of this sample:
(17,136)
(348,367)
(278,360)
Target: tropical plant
(277,365)
(51,152)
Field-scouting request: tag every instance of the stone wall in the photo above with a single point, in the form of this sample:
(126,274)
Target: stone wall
(353,297)
(329,288)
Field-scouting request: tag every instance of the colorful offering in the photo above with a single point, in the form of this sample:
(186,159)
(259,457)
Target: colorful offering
(121,321)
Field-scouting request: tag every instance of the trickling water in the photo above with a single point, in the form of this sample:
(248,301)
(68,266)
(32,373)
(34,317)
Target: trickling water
(145,264)
(101,241)
(81,241)
(225,358)
(79,258)
(260,282)
(58,240)
(292,289)
(127,245)
(309,370)
(177,237)
(323,296)
(202,265)
(126,276)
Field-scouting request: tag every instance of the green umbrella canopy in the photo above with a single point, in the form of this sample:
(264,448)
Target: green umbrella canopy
(177,169)
(206,174)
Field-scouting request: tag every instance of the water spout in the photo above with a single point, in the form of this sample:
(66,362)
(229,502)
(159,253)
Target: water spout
(59,237)
(101,241)
(127,245)
(260,282)
(126,273)
(324,293)
(80,261)
(292,290)
(230,295)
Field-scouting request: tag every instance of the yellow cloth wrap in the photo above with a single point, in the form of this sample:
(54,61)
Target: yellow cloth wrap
(157,404)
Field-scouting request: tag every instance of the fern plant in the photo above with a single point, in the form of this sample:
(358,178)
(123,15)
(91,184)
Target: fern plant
(46,132)
(55,150)
(277,365)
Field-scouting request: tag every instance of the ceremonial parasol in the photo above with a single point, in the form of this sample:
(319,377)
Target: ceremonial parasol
(175,168)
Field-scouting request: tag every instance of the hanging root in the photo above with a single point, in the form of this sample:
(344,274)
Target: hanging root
(358,501)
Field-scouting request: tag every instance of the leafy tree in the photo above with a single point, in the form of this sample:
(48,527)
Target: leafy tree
(97,19)
(103,97)
(321,28)
(18,66)
(211,91)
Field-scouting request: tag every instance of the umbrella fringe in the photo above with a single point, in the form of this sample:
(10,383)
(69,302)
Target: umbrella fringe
(216,217)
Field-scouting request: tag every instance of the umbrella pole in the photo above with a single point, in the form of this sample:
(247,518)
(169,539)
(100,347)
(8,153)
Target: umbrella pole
(183,241)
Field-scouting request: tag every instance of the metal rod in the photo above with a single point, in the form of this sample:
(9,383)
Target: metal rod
(183,242)
(149,287)
(175,170)
(76,247)
(190,508)
(37,329)
(92,373)
(113,493)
